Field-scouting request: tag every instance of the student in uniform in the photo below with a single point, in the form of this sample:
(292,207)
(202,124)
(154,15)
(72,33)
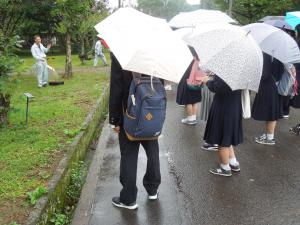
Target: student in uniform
(119,90)
(189,98)
(224,125)
(267,104)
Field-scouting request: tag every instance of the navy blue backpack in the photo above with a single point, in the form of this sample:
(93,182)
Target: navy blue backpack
(146,108)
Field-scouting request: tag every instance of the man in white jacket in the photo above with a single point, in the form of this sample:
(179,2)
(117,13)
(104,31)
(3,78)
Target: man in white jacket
(39,53)
(99,54)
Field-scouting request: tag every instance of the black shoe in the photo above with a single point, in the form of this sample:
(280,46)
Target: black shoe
(45,85)
(263,140)
(221,172)
(116,202)
(236,168)
(153,197)
(295,129)
(209,147)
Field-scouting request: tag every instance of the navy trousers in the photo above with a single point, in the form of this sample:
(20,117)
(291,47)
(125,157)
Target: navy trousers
(128,167)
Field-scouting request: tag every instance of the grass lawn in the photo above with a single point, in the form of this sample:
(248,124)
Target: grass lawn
(29,154)
(58,62)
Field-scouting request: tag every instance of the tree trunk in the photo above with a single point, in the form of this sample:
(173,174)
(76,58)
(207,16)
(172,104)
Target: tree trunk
(83,54)
(82,42)
(68,68)
(4,109)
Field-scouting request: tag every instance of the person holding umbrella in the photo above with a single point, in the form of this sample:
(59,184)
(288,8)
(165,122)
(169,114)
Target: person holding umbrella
(228,56)
(279,48)
(154,51)
(188,97)
(267,104)
(224,124)
(295,101)
(119,90)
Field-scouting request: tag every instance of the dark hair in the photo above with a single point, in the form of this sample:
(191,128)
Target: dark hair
(36,36)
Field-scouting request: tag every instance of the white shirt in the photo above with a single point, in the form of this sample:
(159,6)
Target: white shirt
(98,48)
(39,52)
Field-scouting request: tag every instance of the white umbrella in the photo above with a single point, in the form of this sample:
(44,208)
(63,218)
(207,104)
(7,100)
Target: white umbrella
(182,32)
(230,53)
(275,42)
(145,44)
(200,16)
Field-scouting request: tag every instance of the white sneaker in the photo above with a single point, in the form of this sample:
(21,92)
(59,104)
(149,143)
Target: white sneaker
(153,197)
(189,122)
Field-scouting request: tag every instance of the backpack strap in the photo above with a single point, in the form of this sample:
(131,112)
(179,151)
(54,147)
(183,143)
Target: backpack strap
(136,77)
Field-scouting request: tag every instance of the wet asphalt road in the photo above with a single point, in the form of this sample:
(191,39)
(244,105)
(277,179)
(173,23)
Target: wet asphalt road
(266,192)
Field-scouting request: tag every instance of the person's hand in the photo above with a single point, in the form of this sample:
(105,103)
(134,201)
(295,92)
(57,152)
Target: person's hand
(117,129)
(205,79)
(49,45)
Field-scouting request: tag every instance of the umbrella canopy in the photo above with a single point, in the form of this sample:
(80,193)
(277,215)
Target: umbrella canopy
(293,18)
(275,42)
(200,16)
(281,24)
(230,53)
(145,44)
(271,18)
(182,32)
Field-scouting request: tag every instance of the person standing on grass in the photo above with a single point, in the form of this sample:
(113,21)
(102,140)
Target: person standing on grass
(99,53)
(38,52)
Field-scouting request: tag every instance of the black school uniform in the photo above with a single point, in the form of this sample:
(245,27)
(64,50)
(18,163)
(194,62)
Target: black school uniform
(224,124)
(186,96)
(267,105)
(120,81)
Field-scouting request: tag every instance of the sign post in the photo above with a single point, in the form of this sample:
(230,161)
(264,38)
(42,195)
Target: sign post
(28,97)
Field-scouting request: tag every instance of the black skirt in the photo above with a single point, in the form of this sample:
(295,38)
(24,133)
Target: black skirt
(224,124)
(267,105)
(186,96)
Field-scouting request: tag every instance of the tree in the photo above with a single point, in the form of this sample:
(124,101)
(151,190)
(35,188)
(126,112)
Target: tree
(87,34)
(74,16)
(11,15)
(8,61)
(162,8)
(249,11)
(71,13)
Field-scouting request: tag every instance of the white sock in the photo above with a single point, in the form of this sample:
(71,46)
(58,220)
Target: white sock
(233,161)
(194,117)
(270,136)
(225,166)
(190,118)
